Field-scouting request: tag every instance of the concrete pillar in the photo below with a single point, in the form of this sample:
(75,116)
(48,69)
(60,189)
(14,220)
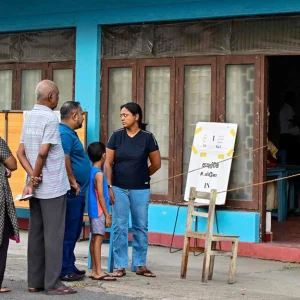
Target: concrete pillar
(87,80)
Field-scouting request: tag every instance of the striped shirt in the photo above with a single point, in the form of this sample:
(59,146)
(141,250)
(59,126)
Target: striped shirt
(41,127)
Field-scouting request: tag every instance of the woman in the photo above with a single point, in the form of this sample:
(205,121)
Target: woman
(8,218)
(128,177)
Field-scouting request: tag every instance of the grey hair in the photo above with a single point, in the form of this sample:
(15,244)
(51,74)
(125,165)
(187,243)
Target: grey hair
(67,109)
(37,94)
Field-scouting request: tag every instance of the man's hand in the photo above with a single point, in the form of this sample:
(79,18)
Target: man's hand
(111,196)
(76,187)
(28,190)
(36,180)
(108,221)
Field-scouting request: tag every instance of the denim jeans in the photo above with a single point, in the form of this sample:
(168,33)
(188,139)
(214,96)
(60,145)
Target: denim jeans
(136,202)
(73,226)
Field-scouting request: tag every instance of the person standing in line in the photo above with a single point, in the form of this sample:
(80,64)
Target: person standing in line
(128,177)
(41,155)
(8,218)
(78,170)
(98,204)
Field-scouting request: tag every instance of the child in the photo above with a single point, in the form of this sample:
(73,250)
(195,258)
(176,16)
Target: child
(98,203)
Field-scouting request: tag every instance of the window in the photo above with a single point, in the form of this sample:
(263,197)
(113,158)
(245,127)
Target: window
(18,83)
(6,83)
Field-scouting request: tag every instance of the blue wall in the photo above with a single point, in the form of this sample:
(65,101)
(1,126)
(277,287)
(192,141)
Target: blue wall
(162,219)
(86,16)
(243,224)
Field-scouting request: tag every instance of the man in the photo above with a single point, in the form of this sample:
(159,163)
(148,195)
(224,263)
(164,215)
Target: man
(41,155)
(78,169)
(289,129)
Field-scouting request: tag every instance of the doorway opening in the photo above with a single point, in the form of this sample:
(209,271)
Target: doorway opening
(284,148)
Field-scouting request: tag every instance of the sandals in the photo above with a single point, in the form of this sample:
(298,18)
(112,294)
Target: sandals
(5,290)
(63,290)
(119,273)
(146,273)
(105,277)
(35,290)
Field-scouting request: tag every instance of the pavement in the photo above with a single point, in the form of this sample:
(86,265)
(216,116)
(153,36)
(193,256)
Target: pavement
(256,279)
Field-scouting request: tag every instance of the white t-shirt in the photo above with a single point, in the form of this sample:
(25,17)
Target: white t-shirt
(286,114)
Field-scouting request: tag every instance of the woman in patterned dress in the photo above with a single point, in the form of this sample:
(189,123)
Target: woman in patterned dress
(8,218)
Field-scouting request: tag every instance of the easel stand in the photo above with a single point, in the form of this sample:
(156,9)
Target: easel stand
(211,239)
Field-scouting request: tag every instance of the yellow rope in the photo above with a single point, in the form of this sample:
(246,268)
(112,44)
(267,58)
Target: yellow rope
(238,155)
(259,183)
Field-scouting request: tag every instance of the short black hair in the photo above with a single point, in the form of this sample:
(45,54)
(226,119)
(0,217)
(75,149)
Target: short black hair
(68,107)
(95,151)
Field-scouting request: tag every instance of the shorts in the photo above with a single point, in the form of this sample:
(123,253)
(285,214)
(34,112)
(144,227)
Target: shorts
(98,225)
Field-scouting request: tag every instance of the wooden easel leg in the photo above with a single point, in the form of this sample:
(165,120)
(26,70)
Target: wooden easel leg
(232,270)
(185,256)
(212,262)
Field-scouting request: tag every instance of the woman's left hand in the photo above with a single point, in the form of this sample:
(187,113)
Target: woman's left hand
(8,173)
(111,196)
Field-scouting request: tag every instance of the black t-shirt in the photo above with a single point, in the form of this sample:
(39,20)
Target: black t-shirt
(130,168)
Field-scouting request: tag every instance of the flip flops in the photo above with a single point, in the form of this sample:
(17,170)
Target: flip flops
(4,290)
(105,277)
(63,290)
(146,273)
(119,273)
(35,290)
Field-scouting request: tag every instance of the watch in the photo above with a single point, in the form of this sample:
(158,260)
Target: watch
(110,186)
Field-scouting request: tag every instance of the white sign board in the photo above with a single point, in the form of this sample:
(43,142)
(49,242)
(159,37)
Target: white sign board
(211,154)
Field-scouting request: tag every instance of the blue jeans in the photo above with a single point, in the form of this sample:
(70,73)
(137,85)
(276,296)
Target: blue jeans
(73,226)
(136,202)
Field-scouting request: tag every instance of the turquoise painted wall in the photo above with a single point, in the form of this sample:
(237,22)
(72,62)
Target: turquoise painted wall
(162,219)
(86,16)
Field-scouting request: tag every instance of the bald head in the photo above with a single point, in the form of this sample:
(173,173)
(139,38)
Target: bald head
(47,93)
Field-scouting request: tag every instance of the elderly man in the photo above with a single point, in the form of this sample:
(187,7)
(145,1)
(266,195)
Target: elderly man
(78,169)
(41,155)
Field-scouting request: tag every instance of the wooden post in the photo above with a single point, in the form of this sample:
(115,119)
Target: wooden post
(186,245)
(209,233)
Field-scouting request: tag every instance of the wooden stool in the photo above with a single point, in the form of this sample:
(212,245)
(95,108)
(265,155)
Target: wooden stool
(211,239)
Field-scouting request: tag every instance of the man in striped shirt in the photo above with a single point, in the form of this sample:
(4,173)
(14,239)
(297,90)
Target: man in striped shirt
(42,156)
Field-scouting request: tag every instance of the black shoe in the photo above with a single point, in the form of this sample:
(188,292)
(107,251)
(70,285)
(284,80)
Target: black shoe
(71,277)
(79,272)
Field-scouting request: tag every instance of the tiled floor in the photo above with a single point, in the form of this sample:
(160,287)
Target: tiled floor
(287,233)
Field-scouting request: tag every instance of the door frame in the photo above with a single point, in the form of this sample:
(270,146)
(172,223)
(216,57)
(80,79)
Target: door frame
(161,62)
(179,112)
(257,122)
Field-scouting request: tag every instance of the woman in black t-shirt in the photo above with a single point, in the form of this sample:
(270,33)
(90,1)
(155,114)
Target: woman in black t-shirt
(128,177)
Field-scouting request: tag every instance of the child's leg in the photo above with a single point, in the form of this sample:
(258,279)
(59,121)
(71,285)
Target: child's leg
(97,255)
(92,247)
